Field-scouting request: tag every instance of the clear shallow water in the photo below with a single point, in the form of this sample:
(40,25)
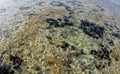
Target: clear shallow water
(71,37)
(116,1)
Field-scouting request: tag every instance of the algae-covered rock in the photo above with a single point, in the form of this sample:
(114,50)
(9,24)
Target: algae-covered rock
(92,29)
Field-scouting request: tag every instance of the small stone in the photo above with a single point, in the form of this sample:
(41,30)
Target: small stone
(67,24)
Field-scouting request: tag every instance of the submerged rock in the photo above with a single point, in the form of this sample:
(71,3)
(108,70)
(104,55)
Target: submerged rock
(6,70)
(52,22)
(103,56)
(59,22)
(92,29)
(117,35)
(16,60)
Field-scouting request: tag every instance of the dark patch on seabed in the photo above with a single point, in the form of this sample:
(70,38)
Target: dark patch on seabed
(24,7)
(6,70)
(59,22)
(92,29)
(117,35)
(102,54)
(17,61)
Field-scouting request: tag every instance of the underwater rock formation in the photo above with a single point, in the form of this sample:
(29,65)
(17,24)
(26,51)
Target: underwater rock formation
(6,70)
(117,35)
(60,22)
(17,61)
(92,29)
(102,54)
(52,22)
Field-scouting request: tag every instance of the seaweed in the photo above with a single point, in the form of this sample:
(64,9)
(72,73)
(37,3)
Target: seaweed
(16,60)
(6,70)
(111,42)
(66,24)
(59,19)
(69,9)
(52,22)
(65,45)
(59,22)
(117,35)
(102,54)
(92,29)
(73,47)
(99,66)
